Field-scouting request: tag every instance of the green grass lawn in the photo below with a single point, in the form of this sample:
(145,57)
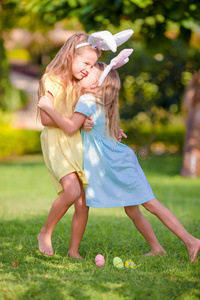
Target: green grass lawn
(26,194)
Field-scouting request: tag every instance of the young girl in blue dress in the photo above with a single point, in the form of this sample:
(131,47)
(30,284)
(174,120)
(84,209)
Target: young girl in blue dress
(112,168)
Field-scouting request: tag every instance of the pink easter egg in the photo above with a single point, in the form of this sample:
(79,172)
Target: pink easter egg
(99,260)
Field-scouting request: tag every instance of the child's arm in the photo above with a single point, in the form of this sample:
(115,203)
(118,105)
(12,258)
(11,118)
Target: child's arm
(69,125)
(46,120)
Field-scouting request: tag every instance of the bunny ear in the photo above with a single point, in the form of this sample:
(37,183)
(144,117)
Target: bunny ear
(103,40)
(123,36)
(116,62)
(120,38)
(104,74)
(121,58)
(121,63)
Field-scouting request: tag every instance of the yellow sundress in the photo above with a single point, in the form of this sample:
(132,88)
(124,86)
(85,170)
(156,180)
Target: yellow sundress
(62,154)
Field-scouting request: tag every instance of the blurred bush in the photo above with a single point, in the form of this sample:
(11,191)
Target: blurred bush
(16,142)
(13,99)
(159,139)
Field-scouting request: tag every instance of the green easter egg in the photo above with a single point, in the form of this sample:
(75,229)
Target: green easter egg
(118,263)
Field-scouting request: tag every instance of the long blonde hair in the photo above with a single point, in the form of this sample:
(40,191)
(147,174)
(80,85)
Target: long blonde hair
(108,92)
(62,66)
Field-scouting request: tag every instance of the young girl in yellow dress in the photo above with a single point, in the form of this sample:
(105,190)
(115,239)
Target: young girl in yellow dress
(63,154)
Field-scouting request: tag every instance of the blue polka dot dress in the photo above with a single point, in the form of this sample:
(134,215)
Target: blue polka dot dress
(112,168)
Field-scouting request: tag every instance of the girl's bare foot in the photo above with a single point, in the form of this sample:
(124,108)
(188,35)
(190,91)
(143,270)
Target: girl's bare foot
(193,250)
(156,252)
(74,255)
(44,244)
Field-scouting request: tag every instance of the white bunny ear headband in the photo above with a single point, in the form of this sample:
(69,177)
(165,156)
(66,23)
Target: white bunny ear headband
(104,40)
(118,61)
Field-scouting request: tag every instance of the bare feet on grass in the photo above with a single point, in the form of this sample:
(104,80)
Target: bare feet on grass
(158,252)
(44,244)
(193,250)
(74,255)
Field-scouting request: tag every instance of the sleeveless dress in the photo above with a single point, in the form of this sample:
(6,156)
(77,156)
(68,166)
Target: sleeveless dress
(62,154)
(112,168)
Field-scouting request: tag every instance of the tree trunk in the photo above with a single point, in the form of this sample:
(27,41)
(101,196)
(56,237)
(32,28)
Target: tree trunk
(191,106)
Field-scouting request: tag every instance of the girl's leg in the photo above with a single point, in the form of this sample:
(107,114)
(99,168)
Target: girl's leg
(168,218)
(71,191)
(144,227)
(79,222)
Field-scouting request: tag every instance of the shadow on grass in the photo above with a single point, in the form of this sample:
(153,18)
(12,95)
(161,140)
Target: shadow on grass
(60,277)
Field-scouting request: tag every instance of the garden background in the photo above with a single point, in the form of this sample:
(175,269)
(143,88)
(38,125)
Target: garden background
(160,113)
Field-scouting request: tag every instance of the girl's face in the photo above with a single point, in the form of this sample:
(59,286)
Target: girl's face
(83,63)
(90,82)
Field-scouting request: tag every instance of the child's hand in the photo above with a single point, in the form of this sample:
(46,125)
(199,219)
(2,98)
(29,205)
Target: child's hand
(121,134)
(45,103)
(88,124)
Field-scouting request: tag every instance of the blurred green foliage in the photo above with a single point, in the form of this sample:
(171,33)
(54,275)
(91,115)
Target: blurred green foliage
(14,142)
(156,80)
(12,15)
(13,98)
(156,126)
(144,137)
(155,16)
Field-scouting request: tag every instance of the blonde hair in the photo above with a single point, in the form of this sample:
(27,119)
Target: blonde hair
(108,92)
(62,66)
